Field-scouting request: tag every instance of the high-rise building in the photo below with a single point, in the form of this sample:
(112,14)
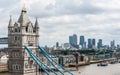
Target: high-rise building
(22,33)
(82,41)
(73,40)
(118,46)
(84,45)
(99,44)
(89,43)
(112,43)
(57,44)
(93,42)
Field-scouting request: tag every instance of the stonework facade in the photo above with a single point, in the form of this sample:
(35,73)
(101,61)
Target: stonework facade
(21,33)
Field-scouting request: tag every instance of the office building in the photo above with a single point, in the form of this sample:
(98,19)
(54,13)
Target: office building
(82,41)
(73,40)
(99,44)
(89,43)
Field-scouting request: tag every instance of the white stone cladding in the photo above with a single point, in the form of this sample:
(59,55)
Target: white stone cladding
(22,33)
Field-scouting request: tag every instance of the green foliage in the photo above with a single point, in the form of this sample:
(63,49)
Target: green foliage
(65,52)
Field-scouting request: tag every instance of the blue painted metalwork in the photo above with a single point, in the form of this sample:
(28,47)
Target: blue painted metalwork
(39,62)
(55,64)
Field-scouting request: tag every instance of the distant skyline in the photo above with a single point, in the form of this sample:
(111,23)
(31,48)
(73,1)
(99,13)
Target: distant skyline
(58,19)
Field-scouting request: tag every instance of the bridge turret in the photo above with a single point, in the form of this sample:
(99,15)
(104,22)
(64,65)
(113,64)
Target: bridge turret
(36,27)
(10,22)
(20,63)
(10,25)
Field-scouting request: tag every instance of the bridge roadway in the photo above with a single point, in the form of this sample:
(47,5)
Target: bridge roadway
(4,40)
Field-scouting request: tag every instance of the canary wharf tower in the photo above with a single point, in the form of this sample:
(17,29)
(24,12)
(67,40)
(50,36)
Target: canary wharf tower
(23,32)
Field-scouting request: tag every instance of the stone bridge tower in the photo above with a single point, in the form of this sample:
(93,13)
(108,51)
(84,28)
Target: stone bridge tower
(21,33)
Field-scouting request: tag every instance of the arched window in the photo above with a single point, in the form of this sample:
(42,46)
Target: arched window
(26,65)
(16,30)
(29,28)
(15,38)
(26,29)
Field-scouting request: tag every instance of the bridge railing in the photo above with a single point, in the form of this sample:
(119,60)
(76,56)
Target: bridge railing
(59,67)
(41,64)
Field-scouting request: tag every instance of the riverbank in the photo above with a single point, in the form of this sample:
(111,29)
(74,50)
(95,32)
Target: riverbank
(93,69)
(93,62)
(72,67)
(103,60)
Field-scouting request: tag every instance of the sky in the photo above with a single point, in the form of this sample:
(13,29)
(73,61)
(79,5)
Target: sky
(58,19)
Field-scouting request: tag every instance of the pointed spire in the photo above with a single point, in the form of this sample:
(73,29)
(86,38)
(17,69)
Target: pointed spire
(24,9)
(10,21)
(36,23)
(36,27)
(23,19)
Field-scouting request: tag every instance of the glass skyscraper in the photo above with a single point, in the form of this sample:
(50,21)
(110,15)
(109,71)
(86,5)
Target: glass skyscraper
(82,41)
(89,43)
(73,40)
(99,44)
(93,42)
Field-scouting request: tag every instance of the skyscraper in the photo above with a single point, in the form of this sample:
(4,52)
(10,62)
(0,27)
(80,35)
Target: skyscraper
(93,42)
(82,41)
(73,40)
(112,43)
(84,45)
(99,44)
(57,44)
(89,43)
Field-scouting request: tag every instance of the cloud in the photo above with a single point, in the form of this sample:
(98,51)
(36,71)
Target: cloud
(66,7)
(58,19)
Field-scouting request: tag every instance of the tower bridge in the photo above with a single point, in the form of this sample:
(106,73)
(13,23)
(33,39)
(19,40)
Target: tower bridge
(24,52)
(20,33)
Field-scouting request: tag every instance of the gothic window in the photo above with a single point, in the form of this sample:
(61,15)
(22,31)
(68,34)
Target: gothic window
(17,27)
(10,30)
(26,29)
(30,62)
(22,54)
(16,30)
(19,67)
(25,54)
(34,65)
(13,67)
(16,67)
(15,38)
(26,65)
(29,28)
(30,40)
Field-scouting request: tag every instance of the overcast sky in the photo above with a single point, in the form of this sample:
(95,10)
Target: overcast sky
(58,19)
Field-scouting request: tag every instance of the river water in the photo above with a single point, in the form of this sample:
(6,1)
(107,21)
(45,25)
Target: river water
(93,69)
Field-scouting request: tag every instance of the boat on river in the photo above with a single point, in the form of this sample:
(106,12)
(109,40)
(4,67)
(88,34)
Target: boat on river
(102,64)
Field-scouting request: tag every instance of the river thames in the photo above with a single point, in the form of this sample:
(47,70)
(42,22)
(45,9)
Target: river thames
(93,69)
